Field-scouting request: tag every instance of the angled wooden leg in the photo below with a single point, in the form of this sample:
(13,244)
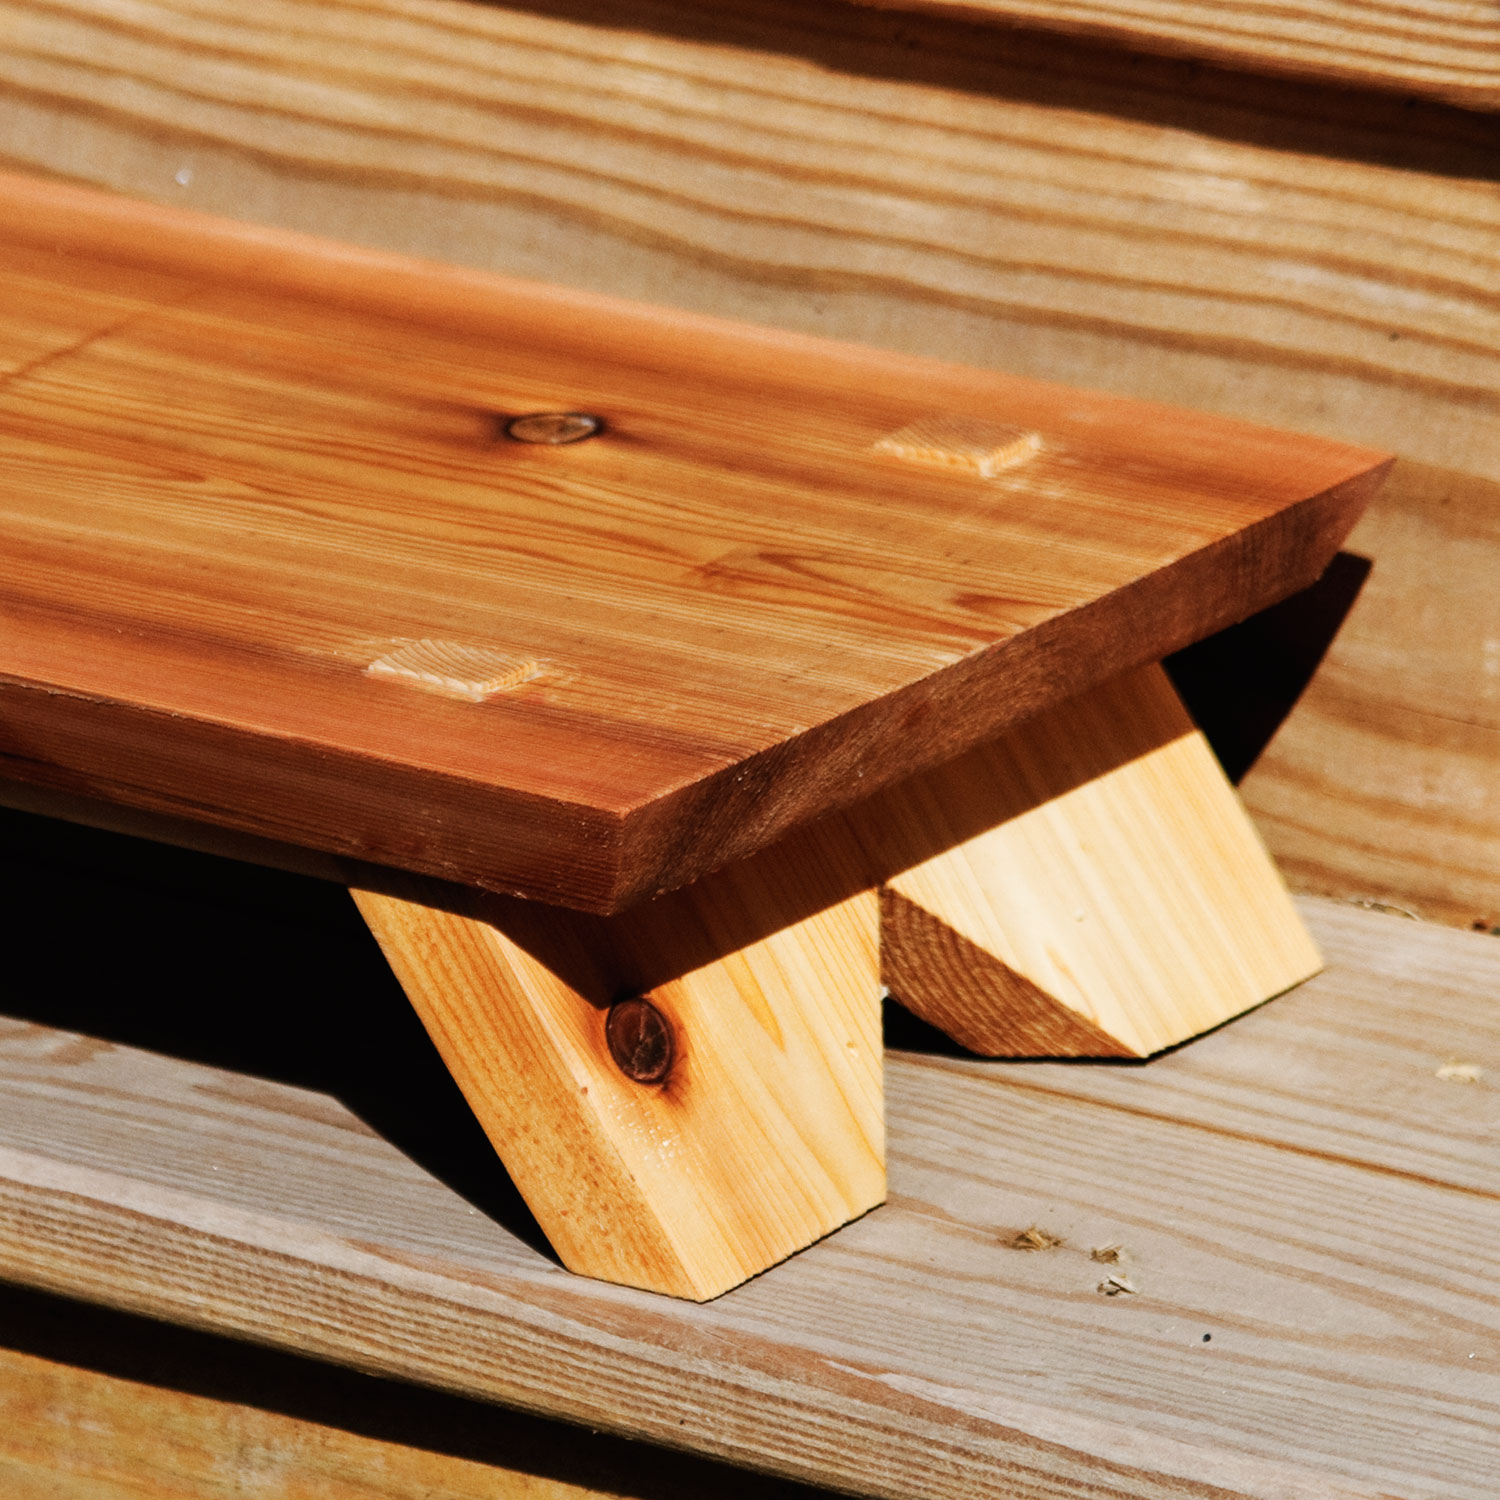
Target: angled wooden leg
(686,1093)
(1088,885)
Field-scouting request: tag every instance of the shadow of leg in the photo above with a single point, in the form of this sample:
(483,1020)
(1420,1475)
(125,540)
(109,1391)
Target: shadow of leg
(238,967)
(1240,684)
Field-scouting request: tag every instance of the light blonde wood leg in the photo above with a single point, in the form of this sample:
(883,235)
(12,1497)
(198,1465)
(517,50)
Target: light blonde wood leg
(750,1131)
(1088,885)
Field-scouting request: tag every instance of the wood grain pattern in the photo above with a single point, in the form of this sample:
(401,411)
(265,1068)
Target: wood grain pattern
(70,1434)
(1100,892)
(1446,48)
(974,840)
(983,448)
(1306,258)
(1383,783)
(738,611)
(1317,259)
(102,1403)
(1087,886)
(767,1130)
(472,673)
(1037,206)
(1301,1186)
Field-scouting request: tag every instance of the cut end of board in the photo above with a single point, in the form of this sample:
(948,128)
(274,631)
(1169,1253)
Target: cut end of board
(976,998)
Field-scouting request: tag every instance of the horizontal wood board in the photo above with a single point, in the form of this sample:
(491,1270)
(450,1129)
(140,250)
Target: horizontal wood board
(72,1434)
(103,1405)
(1316,258)
(257,503)
(1302,1186)
(1449,49)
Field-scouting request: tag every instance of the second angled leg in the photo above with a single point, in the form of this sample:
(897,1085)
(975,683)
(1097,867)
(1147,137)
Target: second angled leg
(1087,885)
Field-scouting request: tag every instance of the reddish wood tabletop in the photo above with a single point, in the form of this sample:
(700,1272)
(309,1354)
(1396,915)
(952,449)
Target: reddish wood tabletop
(272,562)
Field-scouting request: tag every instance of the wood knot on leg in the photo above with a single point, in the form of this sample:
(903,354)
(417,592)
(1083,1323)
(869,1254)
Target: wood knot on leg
(640,1040)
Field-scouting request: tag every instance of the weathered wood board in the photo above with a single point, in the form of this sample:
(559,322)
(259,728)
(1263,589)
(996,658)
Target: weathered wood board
(1384,782)
(1320,259)
(1449,49)
(1303,1187)
(72,1434)
(108,1406)
(274,559)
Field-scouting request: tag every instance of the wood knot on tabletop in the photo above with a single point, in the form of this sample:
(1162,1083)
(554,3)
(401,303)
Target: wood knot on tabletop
(469,672)
(948,442)
(640,1040)
(554,429)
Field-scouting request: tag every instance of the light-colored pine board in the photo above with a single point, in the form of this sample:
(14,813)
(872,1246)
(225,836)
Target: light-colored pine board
(1098,889)
(232,516)
(1334,1241)
(1448,49)
(1312,258)
(766,1129)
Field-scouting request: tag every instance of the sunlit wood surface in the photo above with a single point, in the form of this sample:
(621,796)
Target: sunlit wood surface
(1314,258)
(1304,1186)
(1317,258)
(274,561)
(107,1406)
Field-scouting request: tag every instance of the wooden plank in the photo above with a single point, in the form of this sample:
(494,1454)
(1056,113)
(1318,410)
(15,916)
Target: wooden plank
(1317,259)
(73,1435)
(1039,207)
(1449,49)
(326,599)
(1350,1070)
(1302,1187)
(101,1404)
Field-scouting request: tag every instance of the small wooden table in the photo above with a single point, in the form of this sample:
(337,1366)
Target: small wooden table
(665,687)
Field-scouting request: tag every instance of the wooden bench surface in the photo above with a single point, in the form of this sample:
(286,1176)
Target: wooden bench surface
(1305,1188)
(1314,258)
(273,560)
